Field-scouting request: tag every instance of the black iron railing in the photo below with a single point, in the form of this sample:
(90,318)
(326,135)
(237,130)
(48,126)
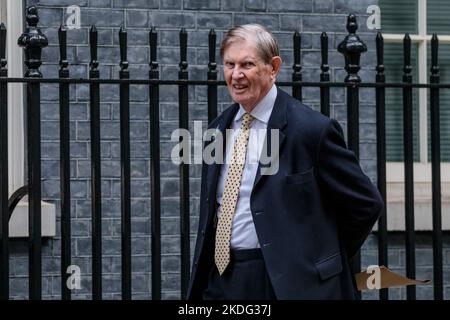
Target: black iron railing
(64,131)
(34,41)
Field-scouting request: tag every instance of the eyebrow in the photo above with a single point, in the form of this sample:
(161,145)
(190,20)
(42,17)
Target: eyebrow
(245,59)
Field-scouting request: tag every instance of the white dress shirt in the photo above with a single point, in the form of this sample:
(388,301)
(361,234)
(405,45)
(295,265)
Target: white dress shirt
(243,232)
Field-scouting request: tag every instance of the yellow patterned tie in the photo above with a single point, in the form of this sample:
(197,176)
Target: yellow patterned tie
(230,195)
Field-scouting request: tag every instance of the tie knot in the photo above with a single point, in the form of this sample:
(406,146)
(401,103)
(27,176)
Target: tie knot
(247,120)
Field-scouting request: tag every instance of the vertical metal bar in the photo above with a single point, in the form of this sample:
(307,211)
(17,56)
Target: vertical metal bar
(353,118)
(296,75)
(436,172)
(34,181)
(95,170)
(155,168)
(353,144)
(125,166)
(33,41)
(324,76)
(212,75)
(4,214)
(352,47)
(64,136)
(409,170)
(184,168)
(381,159)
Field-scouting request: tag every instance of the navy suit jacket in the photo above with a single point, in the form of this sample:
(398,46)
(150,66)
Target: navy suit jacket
(310,217)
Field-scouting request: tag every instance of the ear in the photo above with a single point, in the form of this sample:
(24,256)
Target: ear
(276,65)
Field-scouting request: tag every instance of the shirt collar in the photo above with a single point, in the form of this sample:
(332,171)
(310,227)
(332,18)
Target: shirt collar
(263,109)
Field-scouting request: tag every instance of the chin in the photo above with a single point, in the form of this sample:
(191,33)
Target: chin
(241,101)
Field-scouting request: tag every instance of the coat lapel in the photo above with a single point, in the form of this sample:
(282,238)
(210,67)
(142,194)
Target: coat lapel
(223,123)
(277,121)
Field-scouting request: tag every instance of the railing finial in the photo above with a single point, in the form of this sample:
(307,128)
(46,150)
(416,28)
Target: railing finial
(93,42)
(123,49)
(33,40)
(153,40)
(3,61)
(32,16)
(352,25)
(212,65)
(183,50)
(352,47)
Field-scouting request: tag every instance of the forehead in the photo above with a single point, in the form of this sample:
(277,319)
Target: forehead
(241,49)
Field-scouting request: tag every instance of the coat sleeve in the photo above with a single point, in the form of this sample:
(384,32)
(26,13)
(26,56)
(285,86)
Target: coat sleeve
(354,199)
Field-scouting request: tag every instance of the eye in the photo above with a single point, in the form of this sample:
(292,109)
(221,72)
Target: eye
(248,64)
(229,65)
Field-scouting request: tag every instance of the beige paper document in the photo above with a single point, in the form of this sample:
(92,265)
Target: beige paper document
(383,278)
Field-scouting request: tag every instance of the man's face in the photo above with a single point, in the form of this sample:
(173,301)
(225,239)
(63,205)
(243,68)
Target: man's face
(248,77)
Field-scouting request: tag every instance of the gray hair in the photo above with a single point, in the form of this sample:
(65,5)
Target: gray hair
(265,42)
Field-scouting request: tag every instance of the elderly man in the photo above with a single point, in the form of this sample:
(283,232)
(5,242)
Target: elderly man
(288,234)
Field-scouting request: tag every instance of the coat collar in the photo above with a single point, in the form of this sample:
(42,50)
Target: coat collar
(277,121)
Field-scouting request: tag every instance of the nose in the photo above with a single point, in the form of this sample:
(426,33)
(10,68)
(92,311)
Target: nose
(237,73)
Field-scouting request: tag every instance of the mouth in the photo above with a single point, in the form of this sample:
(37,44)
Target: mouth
(239,87)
